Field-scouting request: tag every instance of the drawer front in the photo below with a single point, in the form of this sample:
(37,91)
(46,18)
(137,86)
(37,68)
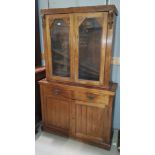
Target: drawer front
(91,97)
(57,91)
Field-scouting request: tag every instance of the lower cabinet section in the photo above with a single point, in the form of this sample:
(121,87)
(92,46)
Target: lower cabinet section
(82,119)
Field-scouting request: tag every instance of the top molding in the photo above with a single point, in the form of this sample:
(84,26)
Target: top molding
(99,8)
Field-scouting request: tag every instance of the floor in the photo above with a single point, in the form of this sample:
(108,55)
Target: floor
(50,144)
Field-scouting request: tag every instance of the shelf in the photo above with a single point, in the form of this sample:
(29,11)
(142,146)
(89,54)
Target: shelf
(65,55)
(90,72)
(61,63)
(89,68)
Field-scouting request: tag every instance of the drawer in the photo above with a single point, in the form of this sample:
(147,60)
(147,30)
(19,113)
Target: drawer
(89,96)
(57,91)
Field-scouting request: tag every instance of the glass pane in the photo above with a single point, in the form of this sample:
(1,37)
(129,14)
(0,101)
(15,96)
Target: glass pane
(90,33)
(60,48)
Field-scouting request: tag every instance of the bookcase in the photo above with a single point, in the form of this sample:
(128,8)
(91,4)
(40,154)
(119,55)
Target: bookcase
(77,94)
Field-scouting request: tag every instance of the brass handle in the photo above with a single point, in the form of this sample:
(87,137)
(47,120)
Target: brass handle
(56,91)
(90,96)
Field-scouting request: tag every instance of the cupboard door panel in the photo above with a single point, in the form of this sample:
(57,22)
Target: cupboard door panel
(90,33)
(57,113)
(60,48)
(58,57)
(90,39)
(89,122)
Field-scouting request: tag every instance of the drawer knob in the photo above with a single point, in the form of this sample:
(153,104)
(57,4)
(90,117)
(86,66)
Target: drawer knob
(90,96)
(56,91)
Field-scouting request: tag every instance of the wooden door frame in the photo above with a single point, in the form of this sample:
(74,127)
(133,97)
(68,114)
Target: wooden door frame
(48,51)
(83,16)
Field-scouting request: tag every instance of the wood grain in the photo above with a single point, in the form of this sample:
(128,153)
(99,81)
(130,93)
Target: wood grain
(88,96)
(99,8)
(89,122)
(57,112)
(70,87)
(110,41)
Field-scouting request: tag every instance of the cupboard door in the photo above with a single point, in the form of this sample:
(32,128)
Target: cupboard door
(89,124)
(90,44)
(58,47)
(57,113)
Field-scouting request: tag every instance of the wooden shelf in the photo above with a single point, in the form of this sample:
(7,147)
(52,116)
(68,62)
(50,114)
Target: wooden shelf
(61,63)
(62,54)
(89,68)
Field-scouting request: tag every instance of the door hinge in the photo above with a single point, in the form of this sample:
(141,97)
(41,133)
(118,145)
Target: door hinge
(43,21)
(110,19)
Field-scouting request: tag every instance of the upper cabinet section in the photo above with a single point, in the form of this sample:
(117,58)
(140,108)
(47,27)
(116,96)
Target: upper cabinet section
(78,44)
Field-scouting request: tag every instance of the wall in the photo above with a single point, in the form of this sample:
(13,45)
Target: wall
(116,68)
(116,53)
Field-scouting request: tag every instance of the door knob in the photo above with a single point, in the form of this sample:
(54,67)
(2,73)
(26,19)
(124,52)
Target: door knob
(90,96)
(56,91)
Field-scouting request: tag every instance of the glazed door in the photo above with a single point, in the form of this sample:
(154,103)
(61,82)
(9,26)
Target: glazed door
(58,52)
(90,42)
